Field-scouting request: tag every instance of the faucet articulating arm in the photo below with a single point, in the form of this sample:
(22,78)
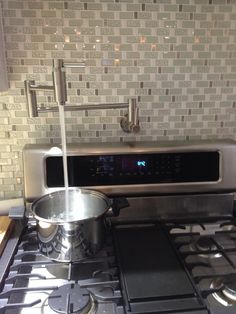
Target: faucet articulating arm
(129,123)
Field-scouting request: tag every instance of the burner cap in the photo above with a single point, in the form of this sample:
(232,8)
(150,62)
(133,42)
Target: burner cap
(70,298)
(205,244)
(207,247)
(230,288)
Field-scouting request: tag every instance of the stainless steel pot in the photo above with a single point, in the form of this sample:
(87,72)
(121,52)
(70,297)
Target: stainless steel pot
(71,225)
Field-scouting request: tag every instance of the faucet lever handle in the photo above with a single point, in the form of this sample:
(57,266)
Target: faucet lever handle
(74,65)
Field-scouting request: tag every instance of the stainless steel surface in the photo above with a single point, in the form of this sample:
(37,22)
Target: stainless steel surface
(81,205)
(178,207)
(85,107)
(128,124)
(133,120)
(59,82)
(74,65)
(35,184)
(36,87)
(74,233)
(70,242)
(31,100)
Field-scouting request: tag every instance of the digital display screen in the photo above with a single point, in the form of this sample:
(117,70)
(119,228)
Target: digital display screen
(140,168)
(141,163)
(132,164)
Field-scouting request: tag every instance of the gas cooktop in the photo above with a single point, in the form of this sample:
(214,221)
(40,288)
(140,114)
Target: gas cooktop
(143,268)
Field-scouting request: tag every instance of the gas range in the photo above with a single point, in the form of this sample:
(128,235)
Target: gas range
(142,268)
(172,250)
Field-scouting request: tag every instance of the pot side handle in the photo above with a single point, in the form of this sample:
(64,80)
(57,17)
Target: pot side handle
(117,204)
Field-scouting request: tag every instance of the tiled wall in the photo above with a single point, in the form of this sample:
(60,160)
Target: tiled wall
(177,57)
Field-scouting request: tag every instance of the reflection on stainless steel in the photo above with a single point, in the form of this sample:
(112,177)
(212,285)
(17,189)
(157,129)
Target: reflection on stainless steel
(230,288)
(71,242)
(222,296)
(82,205)
(72,237)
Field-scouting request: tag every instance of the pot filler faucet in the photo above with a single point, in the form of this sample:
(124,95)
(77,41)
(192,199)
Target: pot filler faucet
(129,123)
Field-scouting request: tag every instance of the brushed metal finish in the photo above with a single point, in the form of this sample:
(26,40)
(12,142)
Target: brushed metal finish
(60,95)
(178,207)
(59,82)
(72,236)
(35,182)
(82,205)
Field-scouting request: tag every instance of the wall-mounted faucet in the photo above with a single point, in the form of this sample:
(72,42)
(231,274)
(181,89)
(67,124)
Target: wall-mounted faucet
(129,123)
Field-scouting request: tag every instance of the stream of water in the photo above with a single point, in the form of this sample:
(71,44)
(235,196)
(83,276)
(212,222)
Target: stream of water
(64,157)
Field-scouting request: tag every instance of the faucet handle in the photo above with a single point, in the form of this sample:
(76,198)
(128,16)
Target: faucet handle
(74,65)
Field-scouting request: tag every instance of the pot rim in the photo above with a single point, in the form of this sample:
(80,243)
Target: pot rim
(62,222)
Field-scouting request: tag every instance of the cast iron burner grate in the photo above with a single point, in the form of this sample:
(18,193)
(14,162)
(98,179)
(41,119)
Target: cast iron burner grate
(212,264)
(33,283)
(71,298)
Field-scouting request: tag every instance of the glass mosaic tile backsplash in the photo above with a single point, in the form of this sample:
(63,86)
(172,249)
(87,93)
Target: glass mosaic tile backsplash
(176,57)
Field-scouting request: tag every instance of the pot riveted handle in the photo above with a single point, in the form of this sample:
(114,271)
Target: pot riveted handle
(117,204)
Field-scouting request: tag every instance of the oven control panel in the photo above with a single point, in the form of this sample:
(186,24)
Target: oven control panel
(120,169)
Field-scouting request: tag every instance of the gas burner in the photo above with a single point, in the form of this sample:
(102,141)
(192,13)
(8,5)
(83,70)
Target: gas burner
(230,288)
(233,233)
(71,298)
(227,290)
(206,246)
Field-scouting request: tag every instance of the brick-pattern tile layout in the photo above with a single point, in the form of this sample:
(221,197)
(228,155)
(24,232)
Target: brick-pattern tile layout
(176,57)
